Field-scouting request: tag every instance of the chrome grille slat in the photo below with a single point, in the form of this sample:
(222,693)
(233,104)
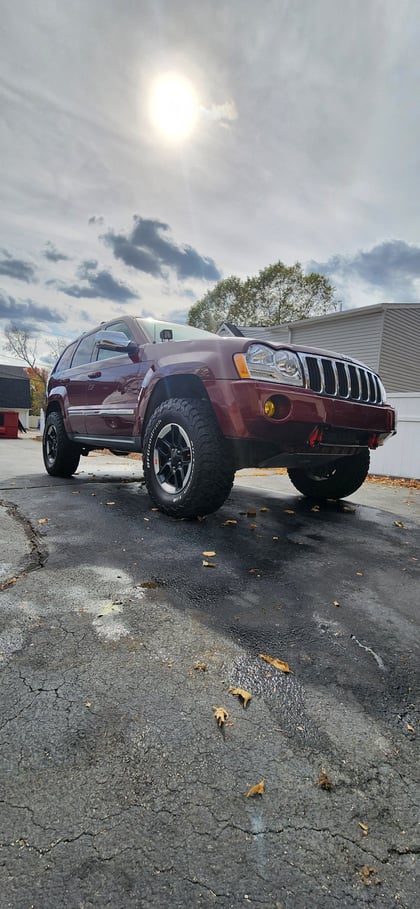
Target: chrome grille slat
(339,379)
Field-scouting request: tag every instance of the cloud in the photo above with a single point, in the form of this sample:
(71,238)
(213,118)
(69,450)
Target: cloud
(23,310)
(96,219)
(221,113)
(51,252)
(148,248)
(98,284)
(16,268)
(392,266)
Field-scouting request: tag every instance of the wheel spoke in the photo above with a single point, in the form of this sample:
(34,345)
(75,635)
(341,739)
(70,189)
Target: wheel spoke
(172,458)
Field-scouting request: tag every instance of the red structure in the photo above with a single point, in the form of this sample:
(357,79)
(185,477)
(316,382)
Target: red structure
(9,424)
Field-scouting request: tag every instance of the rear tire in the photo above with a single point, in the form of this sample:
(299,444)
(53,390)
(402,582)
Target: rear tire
(188,467)
(61,455)
(334,481)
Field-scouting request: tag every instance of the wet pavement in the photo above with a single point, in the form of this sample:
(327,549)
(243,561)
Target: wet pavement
(118,643)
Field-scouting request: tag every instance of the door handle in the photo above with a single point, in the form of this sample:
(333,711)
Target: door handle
(94,375)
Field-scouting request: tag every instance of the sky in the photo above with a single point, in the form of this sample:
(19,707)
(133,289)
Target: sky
(151,147)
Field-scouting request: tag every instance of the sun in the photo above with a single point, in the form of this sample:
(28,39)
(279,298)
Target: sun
(173,106)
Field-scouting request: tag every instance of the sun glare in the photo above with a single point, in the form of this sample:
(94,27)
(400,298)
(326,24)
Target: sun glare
(173,106)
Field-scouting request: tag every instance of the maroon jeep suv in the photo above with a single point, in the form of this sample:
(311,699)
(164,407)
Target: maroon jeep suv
(200,407)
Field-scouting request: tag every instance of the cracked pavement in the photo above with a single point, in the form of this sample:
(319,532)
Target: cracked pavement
(117,786)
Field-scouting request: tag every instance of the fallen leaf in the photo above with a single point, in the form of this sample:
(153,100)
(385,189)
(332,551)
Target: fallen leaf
(144,519)
(278,664)
(221,715)
(259,789)
(43,521)
(245,696)
(109,503)
(336,603)
(288,511)
(398,524)
(229,522)
(410,727)
(201,666)
(201,517)
(252,526)
(348,508)
(88,703)
(324,781)
(111,607)
(275,538)
(251,512)
(366,873)
(264,508)
(315,508)
(209,553)
(364,828)
(208,564)
(8,583)
(359,574)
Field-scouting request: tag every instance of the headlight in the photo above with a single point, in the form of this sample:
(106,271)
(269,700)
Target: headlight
(273,365)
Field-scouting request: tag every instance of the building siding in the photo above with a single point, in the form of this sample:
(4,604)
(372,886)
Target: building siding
(358,336)
(399,364)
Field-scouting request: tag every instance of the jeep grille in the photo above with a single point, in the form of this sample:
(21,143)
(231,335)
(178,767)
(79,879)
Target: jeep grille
(340,379)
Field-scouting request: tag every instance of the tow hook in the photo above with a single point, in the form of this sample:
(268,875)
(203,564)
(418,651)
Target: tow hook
(315,437)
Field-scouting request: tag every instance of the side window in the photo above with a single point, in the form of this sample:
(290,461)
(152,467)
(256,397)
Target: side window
(116,326)
(65,359)
(84,352)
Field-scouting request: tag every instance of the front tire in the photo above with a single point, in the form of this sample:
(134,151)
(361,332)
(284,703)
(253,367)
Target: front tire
(188,467)
(61,455)
(334,481)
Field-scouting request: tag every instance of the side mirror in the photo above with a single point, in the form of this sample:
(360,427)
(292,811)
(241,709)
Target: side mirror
(166,334)
(117,342)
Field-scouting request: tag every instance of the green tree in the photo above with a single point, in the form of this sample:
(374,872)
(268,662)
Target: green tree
(278,294)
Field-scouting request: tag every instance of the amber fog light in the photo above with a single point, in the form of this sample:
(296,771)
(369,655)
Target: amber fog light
(277,407)
(269,408)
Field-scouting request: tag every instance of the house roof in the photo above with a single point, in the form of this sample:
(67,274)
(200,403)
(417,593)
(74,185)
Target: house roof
(15,388)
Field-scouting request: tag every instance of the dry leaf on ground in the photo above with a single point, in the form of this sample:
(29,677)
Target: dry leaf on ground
(324,781)
(43,521)
(201,666)
(366,873)
(336,603)
(221,715)
(109,503)
(208,564)
(245,696)
(111,607)
(8,583)
(229,522)
(288,511)
(259,789)
(398,524)
(364,828)
(210,553)
(278,664)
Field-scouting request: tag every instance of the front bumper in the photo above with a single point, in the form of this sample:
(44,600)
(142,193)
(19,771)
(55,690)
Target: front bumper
(239,407)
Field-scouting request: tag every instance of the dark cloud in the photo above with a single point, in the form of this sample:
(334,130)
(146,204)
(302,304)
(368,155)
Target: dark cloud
(98,284)
(51,252)
(16,268)
(392,266)
(96,219)
(148,248)
(23,310)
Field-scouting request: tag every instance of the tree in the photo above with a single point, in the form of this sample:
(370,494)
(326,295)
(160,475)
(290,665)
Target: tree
(20,343)
(278,294)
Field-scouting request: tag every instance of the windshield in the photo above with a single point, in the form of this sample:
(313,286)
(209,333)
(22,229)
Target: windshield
(153,327)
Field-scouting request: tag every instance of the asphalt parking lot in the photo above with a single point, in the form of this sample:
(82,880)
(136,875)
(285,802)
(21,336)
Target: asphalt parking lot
(122,632)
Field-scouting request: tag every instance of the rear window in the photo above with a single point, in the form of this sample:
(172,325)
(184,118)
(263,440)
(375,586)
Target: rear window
(65,359)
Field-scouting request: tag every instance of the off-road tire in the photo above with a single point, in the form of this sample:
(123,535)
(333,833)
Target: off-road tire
(61,455)
(334,481)
(187,463)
